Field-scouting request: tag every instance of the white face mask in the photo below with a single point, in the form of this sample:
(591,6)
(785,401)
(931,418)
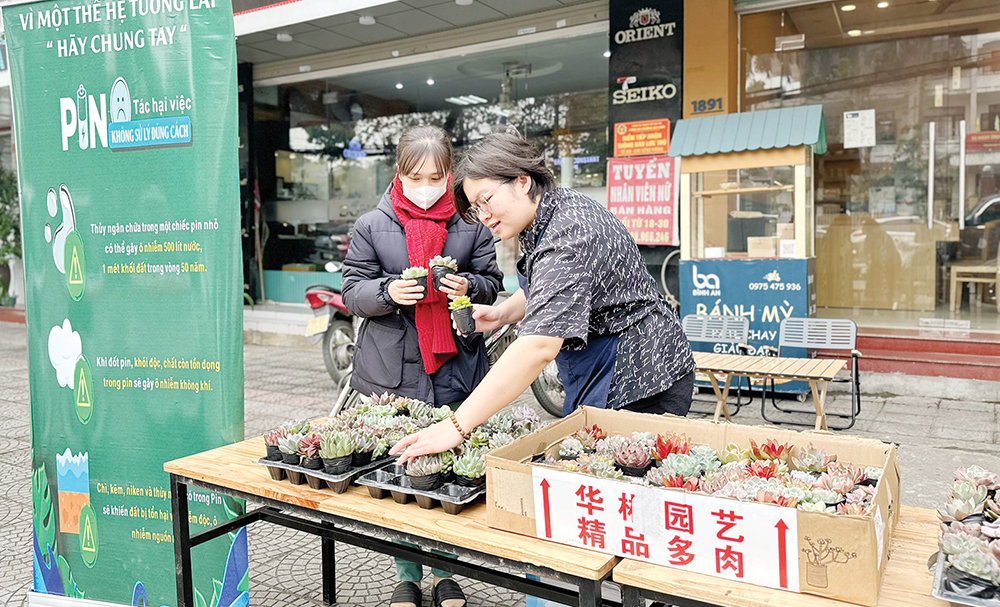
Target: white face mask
(424,196)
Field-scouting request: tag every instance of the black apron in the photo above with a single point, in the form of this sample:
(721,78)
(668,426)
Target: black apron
(585,374)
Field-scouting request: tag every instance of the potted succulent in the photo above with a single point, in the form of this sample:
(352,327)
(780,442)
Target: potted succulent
(309,451)
(289,447)
(271,442)
(447,466)
(295,427)
(470,468)
(633,458)
(425,472)
(418,274)
(461,311)
(336,449)
(441,267)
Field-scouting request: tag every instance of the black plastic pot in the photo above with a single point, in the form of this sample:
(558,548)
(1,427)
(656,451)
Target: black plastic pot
(377,492)
(273,453)
(869,482)
(315,482)
(337,465)
(277,474)
(291,458)
(451,508)
(439,272)
(425,502)
(422,282)
(429,482)
(632,471)
(966,585)
(312,463)
(465,481)
(399,497)
(339,486)
(295,477)
(361,458)
(464,322)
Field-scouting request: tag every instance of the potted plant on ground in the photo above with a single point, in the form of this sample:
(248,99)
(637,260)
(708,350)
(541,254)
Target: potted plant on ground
(461,311)
(425,472)
(470,468)
(441,267)
(418,274)
(336,449)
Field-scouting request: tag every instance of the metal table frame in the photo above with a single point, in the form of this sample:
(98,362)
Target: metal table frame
(635,597)
(332,529)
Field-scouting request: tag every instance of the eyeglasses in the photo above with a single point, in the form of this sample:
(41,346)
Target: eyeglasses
(482,206)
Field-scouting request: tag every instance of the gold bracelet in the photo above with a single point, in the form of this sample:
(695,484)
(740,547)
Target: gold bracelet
(454,420)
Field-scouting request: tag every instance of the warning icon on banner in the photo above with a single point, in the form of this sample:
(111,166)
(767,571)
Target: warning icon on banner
(83,390)
(76,277)
(88,535)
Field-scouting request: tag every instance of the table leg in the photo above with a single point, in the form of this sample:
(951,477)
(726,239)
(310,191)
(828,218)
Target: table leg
(954,289)
(720,405)
(590,593)
(819,398)
(182,543)
(631,597)
(329,566)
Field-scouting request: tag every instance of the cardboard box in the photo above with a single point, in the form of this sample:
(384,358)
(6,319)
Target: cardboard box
(762,246)
(785,231)
(511,492)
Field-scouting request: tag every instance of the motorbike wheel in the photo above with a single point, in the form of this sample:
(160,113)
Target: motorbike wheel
(338,349)
(548,390)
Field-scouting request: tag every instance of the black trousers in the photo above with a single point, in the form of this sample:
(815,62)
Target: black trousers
(676,399)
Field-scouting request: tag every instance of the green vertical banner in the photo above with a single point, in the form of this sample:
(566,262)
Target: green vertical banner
(125,123)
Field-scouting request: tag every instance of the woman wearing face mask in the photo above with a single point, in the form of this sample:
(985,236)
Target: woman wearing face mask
(586,299)
(407,345)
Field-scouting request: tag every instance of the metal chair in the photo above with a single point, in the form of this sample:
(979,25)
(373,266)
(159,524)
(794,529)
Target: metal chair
(819,334)
(732,330)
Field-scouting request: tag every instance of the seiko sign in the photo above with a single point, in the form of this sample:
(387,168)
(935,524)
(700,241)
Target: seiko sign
(645,24)
(639,94)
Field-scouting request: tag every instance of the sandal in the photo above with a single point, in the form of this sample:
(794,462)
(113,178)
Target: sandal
(407,592)
(447,590)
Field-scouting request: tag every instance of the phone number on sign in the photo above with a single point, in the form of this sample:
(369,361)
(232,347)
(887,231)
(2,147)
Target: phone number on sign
(652,237)
(775,286)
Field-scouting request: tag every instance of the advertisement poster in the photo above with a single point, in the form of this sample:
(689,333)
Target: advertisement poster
(647,60)
(644,138)
(764,291)
(642,193)
(125,124)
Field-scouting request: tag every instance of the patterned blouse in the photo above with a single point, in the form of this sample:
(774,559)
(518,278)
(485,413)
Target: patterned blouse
(586,277)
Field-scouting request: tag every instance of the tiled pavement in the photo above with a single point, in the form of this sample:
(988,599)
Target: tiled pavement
(935,434)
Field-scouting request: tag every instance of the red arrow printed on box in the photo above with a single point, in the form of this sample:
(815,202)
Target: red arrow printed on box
(545,507)
(782,554)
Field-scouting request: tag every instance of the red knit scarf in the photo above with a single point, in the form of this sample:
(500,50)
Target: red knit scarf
(426,232)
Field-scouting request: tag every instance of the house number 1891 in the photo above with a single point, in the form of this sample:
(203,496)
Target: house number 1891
(706,106)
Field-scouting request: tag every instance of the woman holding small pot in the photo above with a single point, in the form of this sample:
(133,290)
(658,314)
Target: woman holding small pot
(586,299)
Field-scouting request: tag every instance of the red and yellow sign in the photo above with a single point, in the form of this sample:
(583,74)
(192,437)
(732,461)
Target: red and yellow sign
(642,193)
(643,138)
(985,141)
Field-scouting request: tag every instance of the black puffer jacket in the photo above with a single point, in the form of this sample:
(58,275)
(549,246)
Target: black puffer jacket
(387,357)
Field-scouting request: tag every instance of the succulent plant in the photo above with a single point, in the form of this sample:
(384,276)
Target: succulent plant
(848,471)
(812,460)
(977,476)
(381,447)
(705,457)
(447,461)
(968,492)
(763,468)
(364,441)
(413,272)
(675,443)
(386,410)
(296,427)
(766,497)
(336,444)
(681,464)
(804,477)
(733,454)
(459,303)
(605,469)
(873,473)
(500,439)
(419,408)
(647,439)
(837,484)
(440,413)
(424,465)
(309,445)
(289,444)
(478,439)
(525,419)
(952,542)
(471,464)
(633,454)
(816,507)
(381,399)
(770,449)
(570,448)
(500,422)
(975,563)
(271,438)
(957,510)
(437,260)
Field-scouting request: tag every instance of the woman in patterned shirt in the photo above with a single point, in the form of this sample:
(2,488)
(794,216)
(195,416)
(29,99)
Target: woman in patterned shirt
(586,299)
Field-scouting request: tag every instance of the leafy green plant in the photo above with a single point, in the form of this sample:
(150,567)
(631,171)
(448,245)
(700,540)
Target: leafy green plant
(413,273)
(460,303)
(336,444)
(472,464)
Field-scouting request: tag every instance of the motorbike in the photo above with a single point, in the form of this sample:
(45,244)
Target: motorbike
(333,325)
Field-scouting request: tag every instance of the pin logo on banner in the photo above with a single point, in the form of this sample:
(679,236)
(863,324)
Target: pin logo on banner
(743,541)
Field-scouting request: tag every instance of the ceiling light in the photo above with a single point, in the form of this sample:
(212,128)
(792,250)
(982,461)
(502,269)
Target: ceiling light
(607,54)
(466,100)
(284,37)
(366,20)
(430,82)
(463,2)
(399,85)
(882,5)
(847,7)
(853,33)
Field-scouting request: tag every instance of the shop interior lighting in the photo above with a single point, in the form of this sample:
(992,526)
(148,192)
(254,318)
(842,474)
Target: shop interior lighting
(853,33)
(882,5)
(399,85)
(430,82)
(607,54)
(284,37)
(466,100)
(463,2)
(847,7)
(366,20)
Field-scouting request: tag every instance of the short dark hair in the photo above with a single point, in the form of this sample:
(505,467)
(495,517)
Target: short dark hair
(504,157)
(420,141)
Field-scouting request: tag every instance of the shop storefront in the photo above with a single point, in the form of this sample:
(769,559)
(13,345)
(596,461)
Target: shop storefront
(907,190)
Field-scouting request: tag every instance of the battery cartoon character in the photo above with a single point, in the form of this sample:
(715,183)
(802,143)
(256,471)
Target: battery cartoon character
(82,116)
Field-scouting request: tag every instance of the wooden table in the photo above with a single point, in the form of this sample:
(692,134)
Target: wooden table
(358,519)
(817,371)
(906,582)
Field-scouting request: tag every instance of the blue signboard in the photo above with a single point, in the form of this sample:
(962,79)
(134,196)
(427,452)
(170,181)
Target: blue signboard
(764,291)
